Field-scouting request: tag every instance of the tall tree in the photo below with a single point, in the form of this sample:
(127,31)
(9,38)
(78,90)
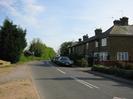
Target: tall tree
(64,48)
(37,47)
(12,41)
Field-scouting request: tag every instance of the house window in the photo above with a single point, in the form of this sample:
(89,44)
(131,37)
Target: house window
(122,56)
(73,50)
(103,56)
(96,54)
(96,44)
(69,51)
(87,46)
(104,42)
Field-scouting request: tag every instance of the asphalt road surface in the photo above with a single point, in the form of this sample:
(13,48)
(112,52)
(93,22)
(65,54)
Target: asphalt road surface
(56,82)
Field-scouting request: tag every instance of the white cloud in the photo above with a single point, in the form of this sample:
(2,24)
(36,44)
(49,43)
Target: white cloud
(32,8)
(29,12)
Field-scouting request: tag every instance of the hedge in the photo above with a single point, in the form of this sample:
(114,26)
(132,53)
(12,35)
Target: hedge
(114,71)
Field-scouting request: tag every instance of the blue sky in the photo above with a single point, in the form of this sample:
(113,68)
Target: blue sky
(56,21)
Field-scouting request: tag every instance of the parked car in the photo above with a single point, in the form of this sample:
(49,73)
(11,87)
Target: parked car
(55,59)
(63,60)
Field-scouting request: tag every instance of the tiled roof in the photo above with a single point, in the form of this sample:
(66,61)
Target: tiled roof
(122,30)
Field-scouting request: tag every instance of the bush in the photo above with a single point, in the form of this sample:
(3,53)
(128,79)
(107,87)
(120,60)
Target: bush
(124,65)
(114,71)
(24,58)
(82,62)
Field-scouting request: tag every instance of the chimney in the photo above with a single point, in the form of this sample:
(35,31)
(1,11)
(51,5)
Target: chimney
(98,32)
(80,40)
(124,20)
(85,37)
(117,22)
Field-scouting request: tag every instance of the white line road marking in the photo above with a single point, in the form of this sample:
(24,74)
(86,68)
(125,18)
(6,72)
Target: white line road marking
(80,81)
(118,98)
(61,71)
(85,83)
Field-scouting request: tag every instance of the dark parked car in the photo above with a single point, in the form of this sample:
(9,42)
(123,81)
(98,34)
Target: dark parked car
(55,59)
(63,60)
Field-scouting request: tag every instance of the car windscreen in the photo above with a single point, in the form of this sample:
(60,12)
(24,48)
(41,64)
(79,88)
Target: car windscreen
(65,58)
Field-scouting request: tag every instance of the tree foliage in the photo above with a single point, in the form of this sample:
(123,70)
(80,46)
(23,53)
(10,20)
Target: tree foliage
(64,48)
(37,47)
(40,49)
(12,41)
(49,53)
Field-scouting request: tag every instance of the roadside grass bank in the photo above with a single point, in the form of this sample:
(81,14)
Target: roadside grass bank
(16,83)
(19,89)
(6,67)
(24,59)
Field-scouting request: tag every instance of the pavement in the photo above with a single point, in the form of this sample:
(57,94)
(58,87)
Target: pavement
(56,82)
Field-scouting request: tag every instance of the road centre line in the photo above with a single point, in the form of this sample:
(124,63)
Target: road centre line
(118,98)
(80,81)
(91,84)
(61,71)
(85,83)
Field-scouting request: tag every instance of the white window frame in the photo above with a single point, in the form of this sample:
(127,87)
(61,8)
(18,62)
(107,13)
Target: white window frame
(122,56)
(104,42)
(103,56)
(69,50)
(96,43)
(87,46)
(96,54)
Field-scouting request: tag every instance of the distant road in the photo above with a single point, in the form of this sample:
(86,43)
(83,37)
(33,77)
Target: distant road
(54,82)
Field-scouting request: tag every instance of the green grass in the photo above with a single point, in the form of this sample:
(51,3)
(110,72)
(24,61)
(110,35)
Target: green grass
(24,59)
(47,54)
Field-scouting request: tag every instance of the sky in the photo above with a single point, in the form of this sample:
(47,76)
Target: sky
(57,21)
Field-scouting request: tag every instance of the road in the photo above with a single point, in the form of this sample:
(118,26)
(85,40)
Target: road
(55,82)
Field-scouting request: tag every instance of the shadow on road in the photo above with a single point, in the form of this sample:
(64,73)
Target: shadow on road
(69,78)
(117,84)
(41,64)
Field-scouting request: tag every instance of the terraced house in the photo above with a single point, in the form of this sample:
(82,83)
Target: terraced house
(115,44)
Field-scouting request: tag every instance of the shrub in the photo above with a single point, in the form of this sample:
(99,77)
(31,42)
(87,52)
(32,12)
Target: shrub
(82,62)
(124,65)
(129,66)
(114,71)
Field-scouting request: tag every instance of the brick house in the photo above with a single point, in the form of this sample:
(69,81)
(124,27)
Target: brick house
(115,44)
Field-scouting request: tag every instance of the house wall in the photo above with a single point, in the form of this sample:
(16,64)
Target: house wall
(79,49)
(114,44)
(120,44)
(91,46)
